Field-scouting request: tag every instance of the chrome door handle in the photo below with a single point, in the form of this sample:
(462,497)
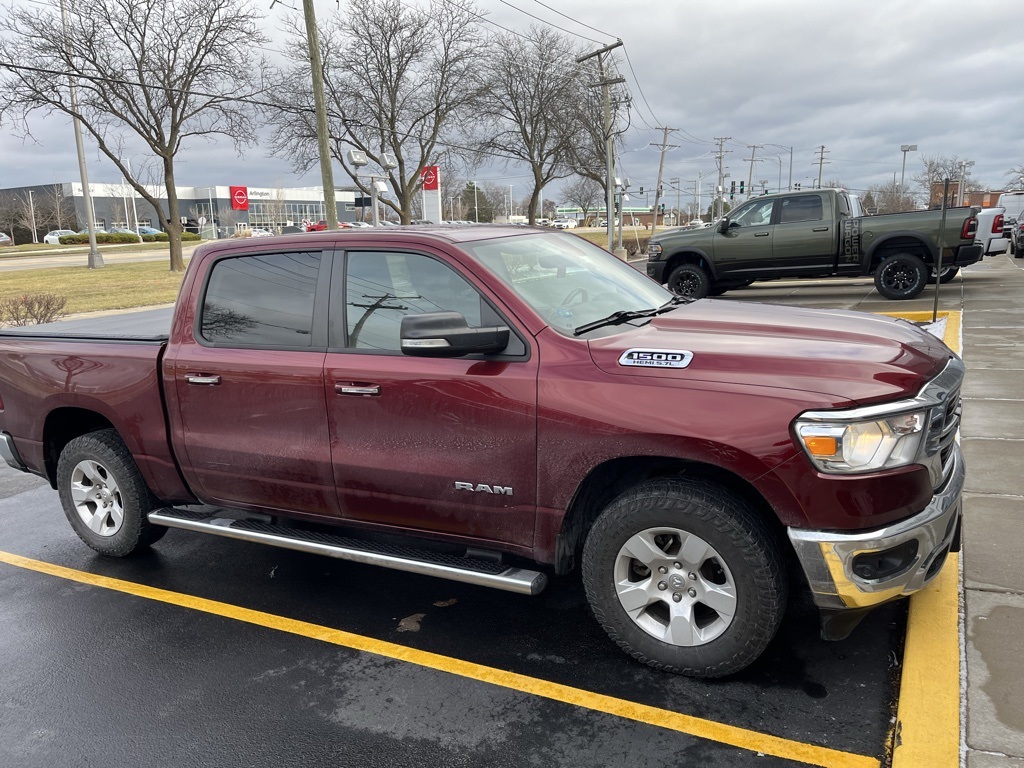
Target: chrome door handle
(209,381)
(366,390)
(760,234)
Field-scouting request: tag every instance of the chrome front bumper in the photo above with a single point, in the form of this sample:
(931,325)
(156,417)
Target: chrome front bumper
(828,558)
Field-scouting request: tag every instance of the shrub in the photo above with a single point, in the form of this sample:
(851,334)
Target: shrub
(30,309)
(124,237)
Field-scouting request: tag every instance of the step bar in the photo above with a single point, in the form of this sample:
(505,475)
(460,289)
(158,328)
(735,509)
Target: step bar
(469,570)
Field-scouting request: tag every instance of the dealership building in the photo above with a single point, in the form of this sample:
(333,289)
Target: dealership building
(218,210)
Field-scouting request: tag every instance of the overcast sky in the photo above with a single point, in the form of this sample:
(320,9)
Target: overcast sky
(859,78)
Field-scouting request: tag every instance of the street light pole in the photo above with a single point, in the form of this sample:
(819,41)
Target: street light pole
(904,148)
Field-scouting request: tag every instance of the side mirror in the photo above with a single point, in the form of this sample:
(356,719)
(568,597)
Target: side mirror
(447,334)
(723,225)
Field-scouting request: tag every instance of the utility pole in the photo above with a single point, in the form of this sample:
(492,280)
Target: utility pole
(676,182)
(719,157)
(750,176)
(822,162)
(320,106)
(95,259)
(605,84)
(661,167)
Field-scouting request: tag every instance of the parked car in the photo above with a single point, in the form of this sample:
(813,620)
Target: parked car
(564,223)
(814,233)
(5,240)
(54,235)
(260,232)
(122,231)
(358,224)
(991,235)
(98,231)
(750,446)
(149,231)
(1017,238)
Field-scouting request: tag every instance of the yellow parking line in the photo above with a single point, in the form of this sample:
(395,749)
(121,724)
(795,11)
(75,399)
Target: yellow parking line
(928,716)
(661,718)
(928,720)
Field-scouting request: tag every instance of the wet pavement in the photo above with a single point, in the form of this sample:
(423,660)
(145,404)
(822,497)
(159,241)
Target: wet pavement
(108,673)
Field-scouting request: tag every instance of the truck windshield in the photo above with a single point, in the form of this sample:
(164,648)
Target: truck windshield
(568,280)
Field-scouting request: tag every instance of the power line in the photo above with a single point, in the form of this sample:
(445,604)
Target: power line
(582,24)
(542,21)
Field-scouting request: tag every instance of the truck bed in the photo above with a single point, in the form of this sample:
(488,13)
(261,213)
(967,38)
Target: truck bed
(148,325)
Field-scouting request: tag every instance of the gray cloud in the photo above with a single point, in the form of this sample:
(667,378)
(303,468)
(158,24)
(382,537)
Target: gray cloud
(860,78)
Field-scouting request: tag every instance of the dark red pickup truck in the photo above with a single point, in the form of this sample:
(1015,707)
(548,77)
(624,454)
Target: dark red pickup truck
(494,405)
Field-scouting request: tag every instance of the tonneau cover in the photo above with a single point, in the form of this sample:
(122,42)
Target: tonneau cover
(149,325)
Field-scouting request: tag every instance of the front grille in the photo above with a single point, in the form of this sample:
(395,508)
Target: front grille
(945,421)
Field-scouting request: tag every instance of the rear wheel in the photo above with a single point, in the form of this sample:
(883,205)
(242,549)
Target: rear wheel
(945,276)
(901,276)
(104,496)
(689,281)
(685,577)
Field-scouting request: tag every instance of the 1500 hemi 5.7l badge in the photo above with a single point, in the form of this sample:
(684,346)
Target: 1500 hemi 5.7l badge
(656,358)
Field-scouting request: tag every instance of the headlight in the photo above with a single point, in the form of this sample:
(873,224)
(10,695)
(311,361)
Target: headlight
(849,447)
(653,251)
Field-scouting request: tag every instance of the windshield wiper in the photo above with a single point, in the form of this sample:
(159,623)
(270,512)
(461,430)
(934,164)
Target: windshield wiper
(625,315)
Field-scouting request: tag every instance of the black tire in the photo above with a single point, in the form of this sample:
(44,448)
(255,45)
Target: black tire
(901,276)
(947,274)
(98,483)
(689,281)
(741,555)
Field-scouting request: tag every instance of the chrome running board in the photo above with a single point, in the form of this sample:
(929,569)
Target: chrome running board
(470,570)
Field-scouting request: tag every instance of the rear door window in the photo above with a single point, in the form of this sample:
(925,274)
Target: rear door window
(262,300)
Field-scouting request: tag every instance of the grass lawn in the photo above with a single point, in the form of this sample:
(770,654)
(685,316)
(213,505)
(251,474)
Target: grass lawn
(116,286)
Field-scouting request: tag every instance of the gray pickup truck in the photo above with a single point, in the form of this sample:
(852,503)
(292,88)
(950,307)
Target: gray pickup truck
(816,233)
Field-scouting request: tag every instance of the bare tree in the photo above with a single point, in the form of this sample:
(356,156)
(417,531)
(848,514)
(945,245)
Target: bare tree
(161,71)
(9,214)
(1016,176)
(56,210)
(397,82)
(936,168)
(584,193)
(888,198)
(529,104)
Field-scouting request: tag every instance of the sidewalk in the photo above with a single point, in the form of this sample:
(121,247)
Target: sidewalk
(992,437)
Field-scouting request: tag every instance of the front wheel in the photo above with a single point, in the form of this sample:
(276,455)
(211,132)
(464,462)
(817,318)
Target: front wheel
(901,276)
(104,496)
(685,577)
(945,276)
(689,281)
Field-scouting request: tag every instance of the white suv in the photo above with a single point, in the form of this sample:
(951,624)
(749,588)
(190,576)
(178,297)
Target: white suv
(564,223)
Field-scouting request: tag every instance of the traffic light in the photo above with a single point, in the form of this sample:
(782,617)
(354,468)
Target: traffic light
(663,208)
(741,187)
(732,190)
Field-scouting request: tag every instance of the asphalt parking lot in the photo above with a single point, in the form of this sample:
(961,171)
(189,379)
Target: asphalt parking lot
(213,652)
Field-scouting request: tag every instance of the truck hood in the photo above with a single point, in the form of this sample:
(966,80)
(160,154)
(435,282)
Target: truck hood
(844,355)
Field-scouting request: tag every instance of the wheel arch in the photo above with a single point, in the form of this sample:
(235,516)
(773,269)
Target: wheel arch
(62,425)
(691,256)
(611,479)
(902,242)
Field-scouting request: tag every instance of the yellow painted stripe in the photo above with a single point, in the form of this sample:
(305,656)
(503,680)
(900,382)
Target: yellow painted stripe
(952,318)
(928,721)
(661,718)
